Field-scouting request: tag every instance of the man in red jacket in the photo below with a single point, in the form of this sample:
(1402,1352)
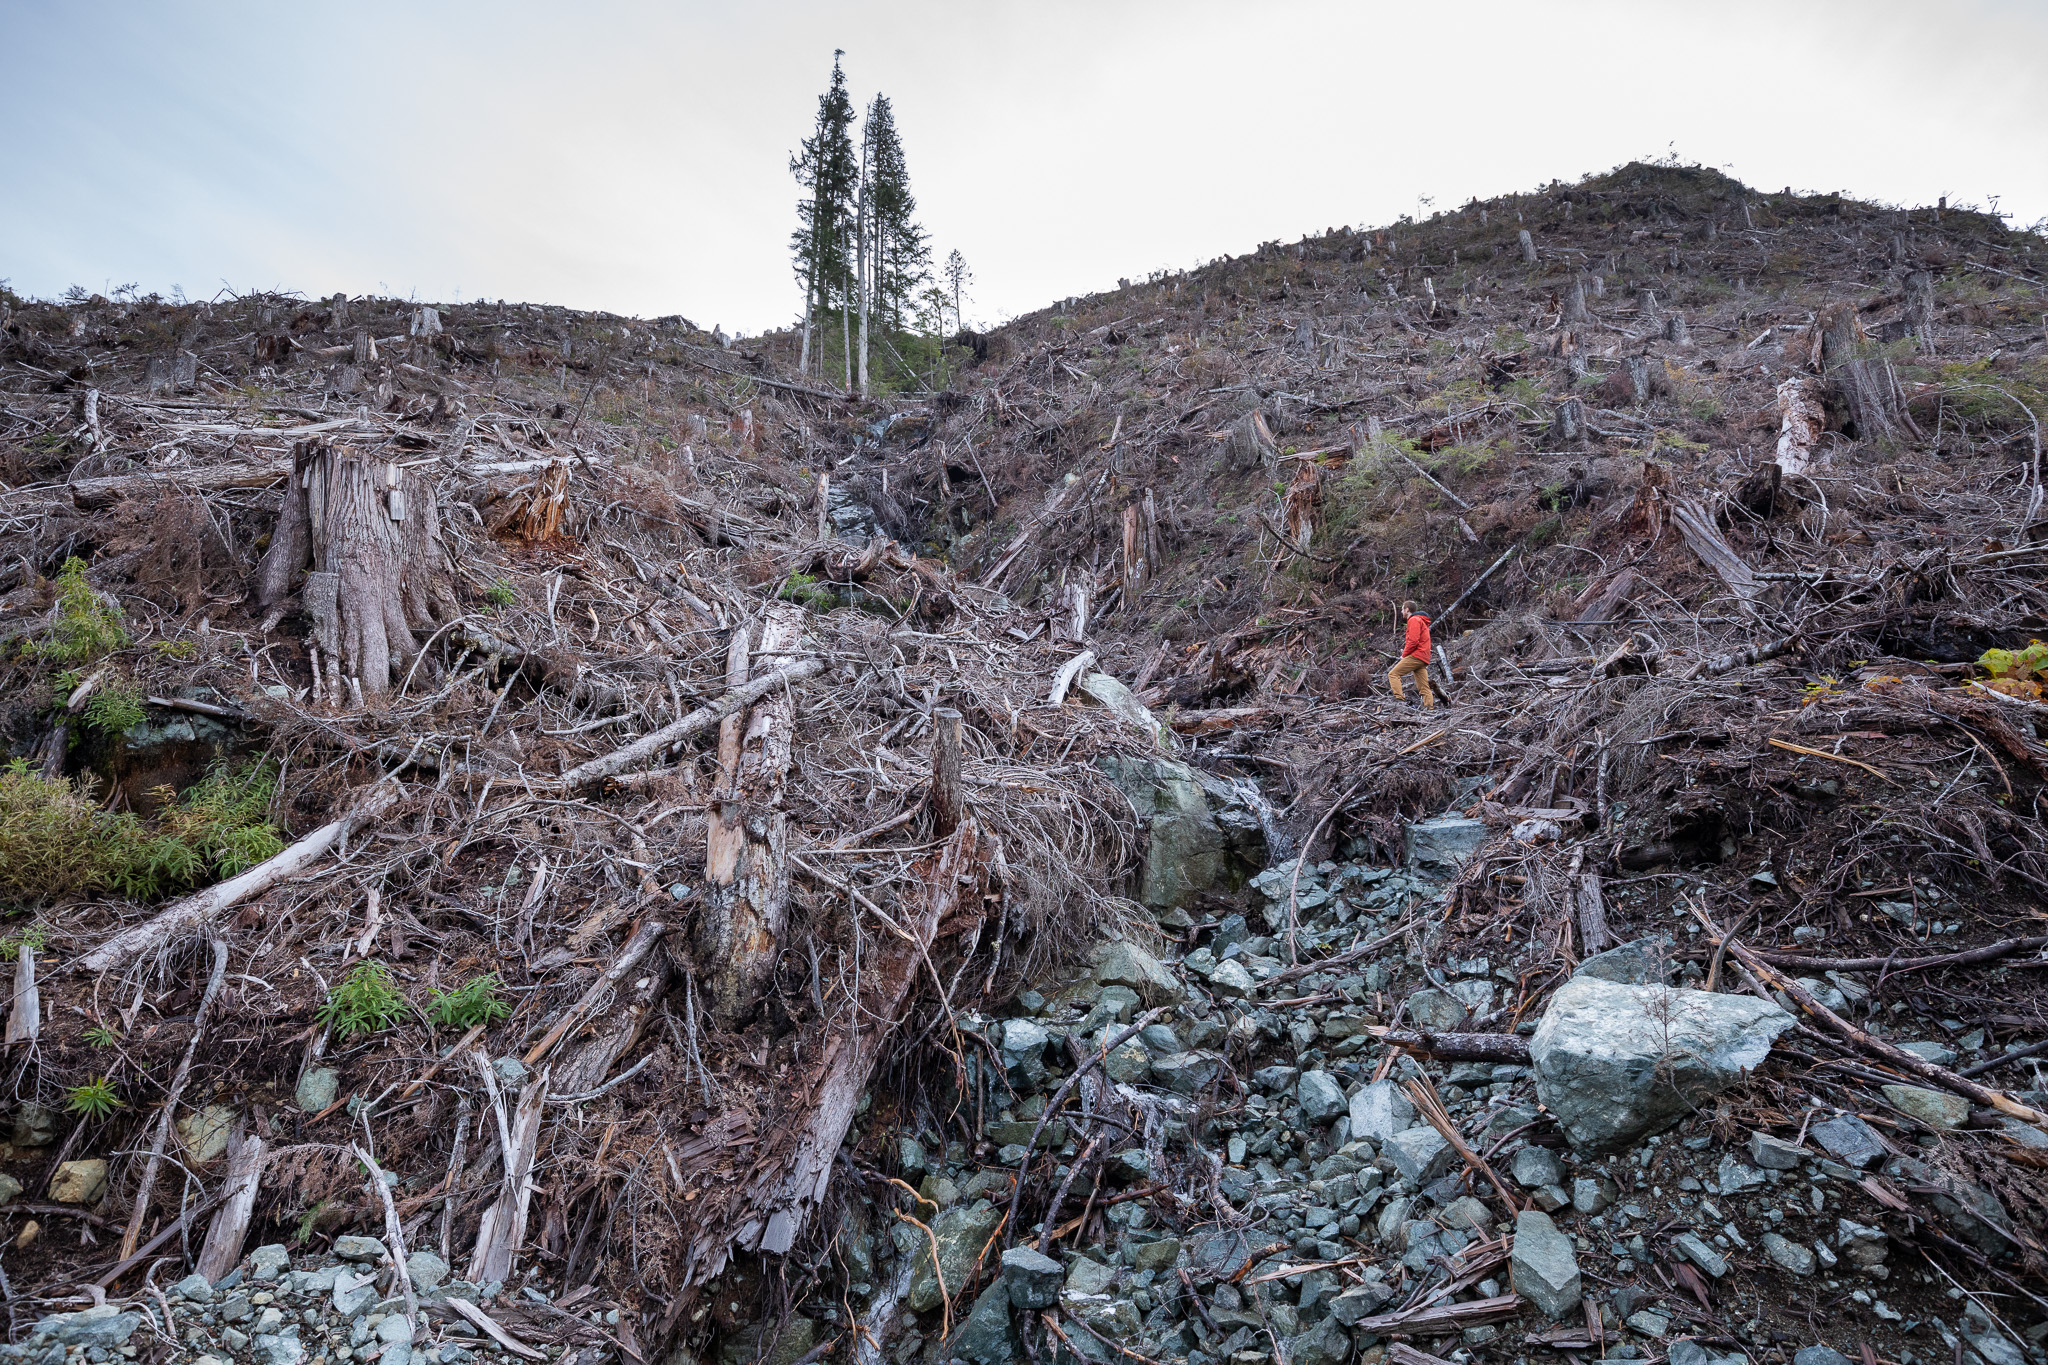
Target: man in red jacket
(1414,657)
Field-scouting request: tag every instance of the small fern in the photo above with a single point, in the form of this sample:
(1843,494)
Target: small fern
(100,1035)
(86,628)
(115,708)
(365,1002)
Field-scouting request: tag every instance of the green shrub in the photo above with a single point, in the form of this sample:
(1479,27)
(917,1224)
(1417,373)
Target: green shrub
(474,1002)
(55,841)
(499,594)
(365,1002)
(115,707)
(86,628)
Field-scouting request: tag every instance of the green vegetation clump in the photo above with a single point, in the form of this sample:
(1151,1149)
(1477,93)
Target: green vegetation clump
(86,628)
(115,707)
(56,841)
(365,1002)
(499,594)
(805,588)
(476,1001)
(96,1099)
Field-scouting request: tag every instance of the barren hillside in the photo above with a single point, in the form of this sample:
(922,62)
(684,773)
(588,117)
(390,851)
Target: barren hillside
(536,834)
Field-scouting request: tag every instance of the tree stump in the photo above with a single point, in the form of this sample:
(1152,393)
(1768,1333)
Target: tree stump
(1528,246)
(369,536)
(1568,427)
(1575,310)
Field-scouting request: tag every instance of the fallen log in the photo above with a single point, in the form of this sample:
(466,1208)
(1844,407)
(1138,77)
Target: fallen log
(222,1250)
(1990,952)
(1460,1047)
(183,916)
(644,748)
(168,1114)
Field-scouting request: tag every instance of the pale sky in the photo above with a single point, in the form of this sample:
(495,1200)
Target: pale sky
(634,156)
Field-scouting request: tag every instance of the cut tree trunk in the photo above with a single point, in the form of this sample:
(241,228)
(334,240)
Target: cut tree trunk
(1800,424)
(370,533)
(746,872)
(503,1229)
(1866,385)
(1714,551)
(1575,309)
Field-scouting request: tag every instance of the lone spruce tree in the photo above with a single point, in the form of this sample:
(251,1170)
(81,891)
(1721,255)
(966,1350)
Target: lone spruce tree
(821,245)
(901,257)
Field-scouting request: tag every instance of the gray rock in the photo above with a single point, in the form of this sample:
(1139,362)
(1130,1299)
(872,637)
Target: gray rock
(1861,1245)
(1129,1064)
(1687,1352)
(987,1336)
(1992,1344)
(1322,1099)
(1551,1198)
(1159,1039)
(1033,1280)
(1187,1073)
(1645,962)
(910,1156)
(354,1293)
(1935,1108)
(1327,1343)
(1360,1301)
(1467,1213)
(1276,1077)
(1186,852)
(1774,1154)
(1545,1266)
(1787,1255)
(962,1231)
(193,1289)
(1733,1177)
(395,1330)
(1381,1110)
(1819,1355)
(79,1182)
(369,1249)
(1592,1194)
(1231,980)
(511,1072)
(1439,847)
(34,1125)
(103,1325)
(1420,1154)
(1696,1249)
(281,1350)
(1536,1166)
(1938,1053)
(1122,963)
(1023,1053)
(317,1089)
(1435,1011)
(1085,1277)
(1614,1063)
(10,1189)
(266,1261)
(1649,1322)
(1159,1255)
(1848,1140)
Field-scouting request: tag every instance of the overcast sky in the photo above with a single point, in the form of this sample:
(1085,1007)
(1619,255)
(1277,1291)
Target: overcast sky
(634,156)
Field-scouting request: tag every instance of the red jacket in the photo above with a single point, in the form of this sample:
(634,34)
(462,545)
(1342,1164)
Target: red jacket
(1417,646)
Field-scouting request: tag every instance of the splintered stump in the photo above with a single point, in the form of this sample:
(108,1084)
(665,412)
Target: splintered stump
(746,873)
(367,536)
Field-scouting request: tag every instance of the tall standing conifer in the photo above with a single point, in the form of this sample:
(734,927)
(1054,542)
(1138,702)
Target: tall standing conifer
(821,245)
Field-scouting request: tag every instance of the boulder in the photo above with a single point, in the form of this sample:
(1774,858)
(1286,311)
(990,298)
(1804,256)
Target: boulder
(1535,1167)
(1123,703)
(1186,1073)
(1122,963)
(1774,1153)
(1022,1050)
(1322,1099)
(1231,980)
(104,1326)
(987,1336)
(1186,852)
(962,1231)
(1614,1063)
(1032,1279)
(1327,1343)
(370,1250)
(1545,1266)
(1420,1154)
(1787,1254)
(1381,1110)
(1441,846)
(34,1125)
(203,1133)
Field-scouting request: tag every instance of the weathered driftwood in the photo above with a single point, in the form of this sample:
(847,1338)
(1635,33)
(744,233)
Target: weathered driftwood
(502,1232)
(25,1015)
(1461,1047)
(222,1250)
(183,916)
(949,799)
(1714,551)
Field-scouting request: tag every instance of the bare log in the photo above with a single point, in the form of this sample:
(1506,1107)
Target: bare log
(25,1017)
(183,916)
(644,748)
(1462,1047)
(643,941)
(168,1114)
(503,1229)
(1713,550)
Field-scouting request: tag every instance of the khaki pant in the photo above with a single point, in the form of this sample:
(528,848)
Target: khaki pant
(1418,667)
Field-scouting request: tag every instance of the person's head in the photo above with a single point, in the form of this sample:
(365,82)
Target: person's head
(1411,608)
